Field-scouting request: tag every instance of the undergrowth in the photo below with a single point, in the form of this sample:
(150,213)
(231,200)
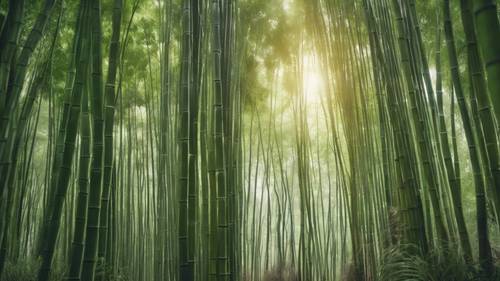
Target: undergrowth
(399,264)
(27,270)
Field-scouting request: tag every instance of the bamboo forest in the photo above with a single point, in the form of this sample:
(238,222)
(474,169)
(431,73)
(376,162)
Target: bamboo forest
(249,140)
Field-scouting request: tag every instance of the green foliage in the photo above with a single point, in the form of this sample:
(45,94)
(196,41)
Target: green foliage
(26,270)
(400,263)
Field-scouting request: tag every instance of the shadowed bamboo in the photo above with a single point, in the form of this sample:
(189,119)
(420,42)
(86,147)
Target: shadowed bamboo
(96,98)
(109,122)
(485,257)
(487,29)
(82,44)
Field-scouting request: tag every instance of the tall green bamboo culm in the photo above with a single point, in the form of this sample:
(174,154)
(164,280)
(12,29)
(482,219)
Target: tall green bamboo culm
(453,181)
(487,130)
(485,257)
(219,127)
(12,92)
(10,40)
(109,122)
(185,180)
(63,172)
(487,28)
(78,242)
(96,99)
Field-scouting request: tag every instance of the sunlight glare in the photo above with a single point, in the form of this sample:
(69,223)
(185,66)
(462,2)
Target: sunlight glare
(286,5)
(312,79)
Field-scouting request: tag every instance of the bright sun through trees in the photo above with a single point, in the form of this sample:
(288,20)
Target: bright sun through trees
(312,81)
(249,140)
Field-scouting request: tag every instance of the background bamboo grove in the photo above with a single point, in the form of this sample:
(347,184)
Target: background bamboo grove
(229,140)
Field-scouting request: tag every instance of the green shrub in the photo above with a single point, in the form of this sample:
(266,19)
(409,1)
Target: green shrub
(401,264)
(27,270)
(23,270)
